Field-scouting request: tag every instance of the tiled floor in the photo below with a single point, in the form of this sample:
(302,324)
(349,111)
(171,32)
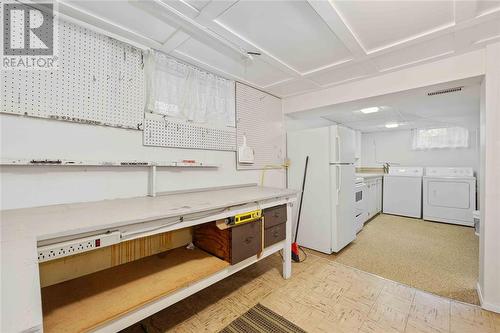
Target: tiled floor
(410,251)
(322,296)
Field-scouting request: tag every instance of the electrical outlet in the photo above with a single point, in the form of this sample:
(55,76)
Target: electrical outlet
(68,248)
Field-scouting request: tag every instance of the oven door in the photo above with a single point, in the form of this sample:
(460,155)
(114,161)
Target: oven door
(360,209)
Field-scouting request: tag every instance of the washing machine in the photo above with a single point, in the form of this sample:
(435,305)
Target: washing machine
(403,191)
(449,195)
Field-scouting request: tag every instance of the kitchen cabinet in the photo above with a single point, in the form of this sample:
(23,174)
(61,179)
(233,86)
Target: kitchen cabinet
(378,196)
(373,196)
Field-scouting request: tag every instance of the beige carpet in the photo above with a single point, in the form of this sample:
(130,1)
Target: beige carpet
(439,258)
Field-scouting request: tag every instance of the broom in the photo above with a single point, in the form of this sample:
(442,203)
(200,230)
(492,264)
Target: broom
(295,246)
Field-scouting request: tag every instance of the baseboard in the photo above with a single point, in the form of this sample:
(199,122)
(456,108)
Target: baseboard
(486,305)
(479,293)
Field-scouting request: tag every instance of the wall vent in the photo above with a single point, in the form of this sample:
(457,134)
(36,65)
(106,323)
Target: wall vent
(444,91)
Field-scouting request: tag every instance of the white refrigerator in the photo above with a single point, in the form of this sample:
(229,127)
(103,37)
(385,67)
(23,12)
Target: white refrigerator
(327,221)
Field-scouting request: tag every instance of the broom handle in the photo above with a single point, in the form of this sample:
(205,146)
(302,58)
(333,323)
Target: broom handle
(301,197)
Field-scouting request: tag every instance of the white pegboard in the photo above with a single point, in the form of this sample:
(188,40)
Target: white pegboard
(259,117)
(165,132)
(99,81)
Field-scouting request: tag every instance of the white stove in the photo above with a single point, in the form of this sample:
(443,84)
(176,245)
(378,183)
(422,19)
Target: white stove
(360,205)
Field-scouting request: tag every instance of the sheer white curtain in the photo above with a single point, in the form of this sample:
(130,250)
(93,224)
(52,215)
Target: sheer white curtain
(185,92)
(444,137)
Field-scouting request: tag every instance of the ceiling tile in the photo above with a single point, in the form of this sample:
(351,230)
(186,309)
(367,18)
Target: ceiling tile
(487,6)
(290,30)
(378,24)
(339,75)
(129,16)
(292,87)
(416,53)
(256,72)
(479,34)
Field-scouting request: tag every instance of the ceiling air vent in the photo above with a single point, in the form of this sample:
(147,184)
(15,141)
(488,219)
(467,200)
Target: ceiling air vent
(444,91)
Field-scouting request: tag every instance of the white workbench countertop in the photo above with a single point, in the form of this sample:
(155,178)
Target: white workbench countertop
(20,229)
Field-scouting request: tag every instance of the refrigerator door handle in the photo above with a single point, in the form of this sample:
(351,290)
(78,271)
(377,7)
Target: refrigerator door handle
(340,179)
(339,176)
(338,149)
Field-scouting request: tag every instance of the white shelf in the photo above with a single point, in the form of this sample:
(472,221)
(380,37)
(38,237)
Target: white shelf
(133,163)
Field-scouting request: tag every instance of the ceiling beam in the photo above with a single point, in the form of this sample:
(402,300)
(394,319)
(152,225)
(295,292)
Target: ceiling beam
(332,18)
(171,15)
(182,6)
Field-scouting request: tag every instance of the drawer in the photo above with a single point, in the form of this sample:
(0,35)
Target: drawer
(246,241)
(274,215)
(233,244)
(274,234)
(211,239)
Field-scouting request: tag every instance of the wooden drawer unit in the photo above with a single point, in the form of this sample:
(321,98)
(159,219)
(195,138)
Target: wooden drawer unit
(233,244)
(274,216)
(274,234)
(274,224)
(246,241)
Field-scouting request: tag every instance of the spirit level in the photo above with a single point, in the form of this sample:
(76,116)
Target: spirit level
(245,217)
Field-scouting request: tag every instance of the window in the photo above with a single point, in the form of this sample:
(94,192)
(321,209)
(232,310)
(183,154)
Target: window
(185,92)
(444,137)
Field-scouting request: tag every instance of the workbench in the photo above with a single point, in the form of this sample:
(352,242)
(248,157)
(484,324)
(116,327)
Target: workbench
(23,230)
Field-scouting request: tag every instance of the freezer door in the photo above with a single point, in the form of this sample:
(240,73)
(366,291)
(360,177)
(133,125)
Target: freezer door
(343,206)
(314,230)
(342,144)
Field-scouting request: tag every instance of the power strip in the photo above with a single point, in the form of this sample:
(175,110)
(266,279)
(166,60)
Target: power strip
(68,248)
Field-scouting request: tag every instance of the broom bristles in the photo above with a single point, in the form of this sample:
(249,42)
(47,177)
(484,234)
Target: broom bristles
(295,252)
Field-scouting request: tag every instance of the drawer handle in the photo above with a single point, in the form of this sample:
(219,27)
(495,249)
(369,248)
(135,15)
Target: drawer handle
(275,234)
(248,240)
(276,214)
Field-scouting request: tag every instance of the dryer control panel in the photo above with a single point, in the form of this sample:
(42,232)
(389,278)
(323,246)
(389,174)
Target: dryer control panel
(449,171)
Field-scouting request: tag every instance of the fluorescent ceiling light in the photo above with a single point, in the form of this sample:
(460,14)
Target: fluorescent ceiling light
(370,110)
(392,125)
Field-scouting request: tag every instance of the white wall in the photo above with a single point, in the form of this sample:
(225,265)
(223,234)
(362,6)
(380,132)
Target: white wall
(489,264)
(28,186)
(395,147)
(482,185)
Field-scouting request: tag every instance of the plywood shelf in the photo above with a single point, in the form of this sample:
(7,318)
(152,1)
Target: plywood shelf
(89,301)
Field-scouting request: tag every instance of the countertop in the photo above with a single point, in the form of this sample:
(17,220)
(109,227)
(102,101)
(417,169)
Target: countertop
(20,229)
(369,175)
